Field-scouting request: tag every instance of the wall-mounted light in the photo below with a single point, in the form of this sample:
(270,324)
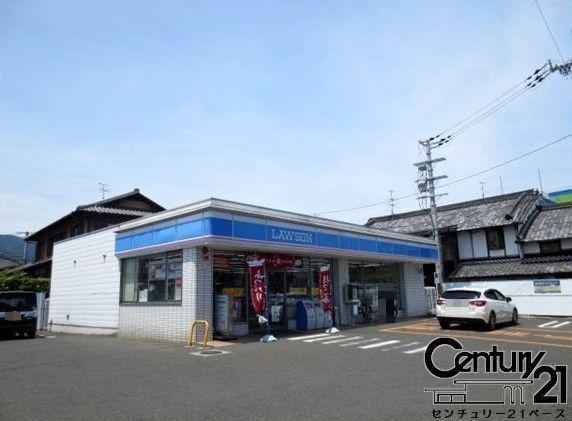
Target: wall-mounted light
(104,255)
(74,263)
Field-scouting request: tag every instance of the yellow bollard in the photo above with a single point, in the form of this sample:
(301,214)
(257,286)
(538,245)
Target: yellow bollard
(192,332)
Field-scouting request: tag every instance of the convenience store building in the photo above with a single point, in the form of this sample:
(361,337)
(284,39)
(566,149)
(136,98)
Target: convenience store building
(153,276)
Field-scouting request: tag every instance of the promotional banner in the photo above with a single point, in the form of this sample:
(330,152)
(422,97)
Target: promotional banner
(325,285)
(257,285)
(278,261)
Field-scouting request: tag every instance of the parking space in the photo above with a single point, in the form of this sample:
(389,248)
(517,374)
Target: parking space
(412,337)
(530,331)
(366,343)
(377,369)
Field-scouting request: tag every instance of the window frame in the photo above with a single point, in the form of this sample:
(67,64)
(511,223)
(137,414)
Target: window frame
(550,243)
(76,230)
(493,297)
(501,239)
(164,255)
(500,295)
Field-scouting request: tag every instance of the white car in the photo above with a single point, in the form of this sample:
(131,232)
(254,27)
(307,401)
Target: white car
(483,305)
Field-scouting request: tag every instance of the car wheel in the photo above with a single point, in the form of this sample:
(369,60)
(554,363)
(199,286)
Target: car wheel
(445,324)
(515,317)
(31,334)
(492,321)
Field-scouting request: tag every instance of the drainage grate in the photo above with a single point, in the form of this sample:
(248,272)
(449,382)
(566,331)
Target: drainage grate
(209,352)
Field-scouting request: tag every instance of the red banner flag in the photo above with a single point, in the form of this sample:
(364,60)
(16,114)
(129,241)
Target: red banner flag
(278,261)
(257,285)
(325,284)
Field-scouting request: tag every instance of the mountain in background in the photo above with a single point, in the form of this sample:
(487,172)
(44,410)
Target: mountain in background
(12,247)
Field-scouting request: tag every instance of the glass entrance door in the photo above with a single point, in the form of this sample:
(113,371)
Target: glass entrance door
(277,299)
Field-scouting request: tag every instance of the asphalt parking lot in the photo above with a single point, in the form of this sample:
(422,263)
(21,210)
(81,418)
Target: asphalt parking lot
(373,372)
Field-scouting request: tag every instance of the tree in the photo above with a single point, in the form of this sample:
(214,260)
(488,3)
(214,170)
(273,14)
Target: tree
(15,280)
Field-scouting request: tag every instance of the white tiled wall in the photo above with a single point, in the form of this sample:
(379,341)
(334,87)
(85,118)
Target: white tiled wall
(172,322)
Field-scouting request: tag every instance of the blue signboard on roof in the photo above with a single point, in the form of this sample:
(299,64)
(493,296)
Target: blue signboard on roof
(269,233)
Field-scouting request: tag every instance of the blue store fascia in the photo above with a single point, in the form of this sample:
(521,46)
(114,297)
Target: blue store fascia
(230,225)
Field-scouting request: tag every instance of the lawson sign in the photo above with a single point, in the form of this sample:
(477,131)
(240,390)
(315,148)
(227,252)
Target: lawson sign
(290,236)
(263,232)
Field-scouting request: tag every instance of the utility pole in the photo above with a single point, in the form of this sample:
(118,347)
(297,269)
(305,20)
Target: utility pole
(501,187)
(426,187)
(563,68)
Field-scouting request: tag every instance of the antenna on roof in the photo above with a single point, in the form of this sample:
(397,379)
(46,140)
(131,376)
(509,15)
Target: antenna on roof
(540,181)
(483,187)
(501,187)
(391,201)
(102,189)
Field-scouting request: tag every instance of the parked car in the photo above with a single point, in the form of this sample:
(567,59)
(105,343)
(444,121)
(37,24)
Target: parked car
(487,306)
(18,313)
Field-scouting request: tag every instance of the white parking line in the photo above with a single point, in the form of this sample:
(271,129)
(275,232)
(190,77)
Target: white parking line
(416,350)
(322,339)
(297,338)
(341,340)
(377,345)
(401,346)
(548,324)
(559,325)
(360,342)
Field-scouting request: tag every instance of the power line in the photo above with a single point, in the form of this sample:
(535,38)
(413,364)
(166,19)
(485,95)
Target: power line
(548,29)
(457,181)
(493,106)
(510,161)
(529,83)
(369,205)
(498,98)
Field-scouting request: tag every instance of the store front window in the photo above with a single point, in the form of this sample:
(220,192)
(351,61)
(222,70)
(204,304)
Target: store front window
(376,287)
(155,278)
(230,293)
(290,280)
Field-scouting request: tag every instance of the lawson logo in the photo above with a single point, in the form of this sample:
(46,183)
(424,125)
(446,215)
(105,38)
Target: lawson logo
(291,236)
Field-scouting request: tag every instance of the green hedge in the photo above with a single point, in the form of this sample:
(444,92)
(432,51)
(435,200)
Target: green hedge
(14,280)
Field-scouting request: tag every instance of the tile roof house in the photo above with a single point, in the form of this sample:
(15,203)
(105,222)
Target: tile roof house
(83,219)
(520,243)
(552,222)
(492,211)
(546,243)
(475,230)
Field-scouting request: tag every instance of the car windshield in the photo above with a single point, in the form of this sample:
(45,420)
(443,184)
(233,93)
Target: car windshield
(17,301)
(461,294)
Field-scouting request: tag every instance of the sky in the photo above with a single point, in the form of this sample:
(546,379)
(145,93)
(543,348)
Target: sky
(306,106)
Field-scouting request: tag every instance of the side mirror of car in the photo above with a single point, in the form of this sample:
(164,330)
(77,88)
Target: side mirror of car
(508,299)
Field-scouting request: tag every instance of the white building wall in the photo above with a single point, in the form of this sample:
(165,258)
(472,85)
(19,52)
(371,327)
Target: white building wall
(464,245)
(524,297)
(84,291)
(480,244)
(173,321)
(510,241)
(413,290)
